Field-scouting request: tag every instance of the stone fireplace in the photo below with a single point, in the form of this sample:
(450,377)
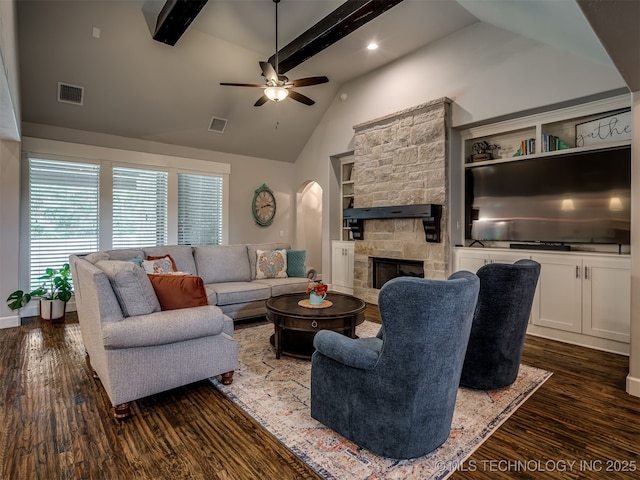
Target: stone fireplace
(402,159)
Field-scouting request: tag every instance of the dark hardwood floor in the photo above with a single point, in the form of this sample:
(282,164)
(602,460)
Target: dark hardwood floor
(55,422)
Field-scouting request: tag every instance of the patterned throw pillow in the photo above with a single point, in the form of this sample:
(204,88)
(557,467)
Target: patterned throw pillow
(295,263)
(271,264)
(159,264)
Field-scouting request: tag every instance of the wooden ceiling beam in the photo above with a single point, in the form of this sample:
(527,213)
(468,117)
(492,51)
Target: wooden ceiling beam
(345,19)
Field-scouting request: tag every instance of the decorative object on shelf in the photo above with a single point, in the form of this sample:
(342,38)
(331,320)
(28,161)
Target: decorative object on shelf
(54,293)
(483,151)
(263,206)
(317,292)
(612,128)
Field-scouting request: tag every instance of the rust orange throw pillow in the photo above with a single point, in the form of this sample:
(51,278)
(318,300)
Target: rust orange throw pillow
(179,291)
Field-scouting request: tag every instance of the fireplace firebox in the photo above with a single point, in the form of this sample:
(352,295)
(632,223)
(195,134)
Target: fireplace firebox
(384,269)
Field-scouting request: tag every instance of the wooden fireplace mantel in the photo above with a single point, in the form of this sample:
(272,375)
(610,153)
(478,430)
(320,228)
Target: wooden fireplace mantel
(429,213)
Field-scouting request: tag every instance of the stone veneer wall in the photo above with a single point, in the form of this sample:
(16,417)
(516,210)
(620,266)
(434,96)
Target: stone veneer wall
(402,159)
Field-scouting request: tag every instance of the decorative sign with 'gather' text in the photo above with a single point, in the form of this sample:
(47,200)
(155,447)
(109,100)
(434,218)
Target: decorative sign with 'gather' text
(613,128)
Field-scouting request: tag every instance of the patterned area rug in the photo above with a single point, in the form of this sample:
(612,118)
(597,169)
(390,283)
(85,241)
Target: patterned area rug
(276,394)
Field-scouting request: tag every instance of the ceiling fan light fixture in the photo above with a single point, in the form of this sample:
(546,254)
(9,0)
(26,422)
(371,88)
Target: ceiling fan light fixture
(276,94)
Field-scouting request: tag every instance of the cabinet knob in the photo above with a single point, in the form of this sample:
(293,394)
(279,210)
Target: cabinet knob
(577,271)
(586,273)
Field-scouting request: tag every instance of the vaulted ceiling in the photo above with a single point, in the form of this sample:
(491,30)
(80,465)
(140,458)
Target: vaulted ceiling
(137,87)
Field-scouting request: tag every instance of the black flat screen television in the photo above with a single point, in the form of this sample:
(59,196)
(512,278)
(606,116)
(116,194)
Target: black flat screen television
(568,198)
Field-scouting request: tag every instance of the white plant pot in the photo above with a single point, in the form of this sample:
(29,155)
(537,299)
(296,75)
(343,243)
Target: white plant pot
(52,309)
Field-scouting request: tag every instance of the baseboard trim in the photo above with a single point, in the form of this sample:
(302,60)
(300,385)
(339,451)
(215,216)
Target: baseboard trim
(10,322)
(633,386)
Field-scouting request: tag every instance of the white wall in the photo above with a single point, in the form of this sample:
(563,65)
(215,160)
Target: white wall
(9,160)
(633,379)
(9,227)
(9,85)
(309,223)
(486,71)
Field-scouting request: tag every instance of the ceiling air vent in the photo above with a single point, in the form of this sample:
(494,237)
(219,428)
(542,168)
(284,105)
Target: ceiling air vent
(70,93)
(217,125)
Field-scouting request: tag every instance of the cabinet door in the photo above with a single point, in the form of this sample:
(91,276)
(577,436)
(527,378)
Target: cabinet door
(342,266)
(558,300)
(606,298)
(470,261)
(508,257)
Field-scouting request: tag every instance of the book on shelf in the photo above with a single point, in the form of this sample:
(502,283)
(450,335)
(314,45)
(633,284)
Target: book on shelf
(551,143)
(527,147)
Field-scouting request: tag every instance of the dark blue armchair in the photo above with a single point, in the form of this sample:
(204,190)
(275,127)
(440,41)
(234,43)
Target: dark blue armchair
(395,394)
(500,324)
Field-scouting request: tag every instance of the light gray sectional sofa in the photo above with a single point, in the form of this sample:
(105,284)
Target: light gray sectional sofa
(228,272)
(137,349)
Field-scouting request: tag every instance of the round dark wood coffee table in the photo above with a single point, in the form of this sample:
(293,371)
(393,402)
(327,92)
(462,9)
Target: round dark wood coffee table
(295,326)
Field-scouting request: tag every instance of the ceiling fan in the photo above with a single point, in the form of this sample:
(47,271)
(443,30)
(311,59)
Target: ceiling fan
(278,87)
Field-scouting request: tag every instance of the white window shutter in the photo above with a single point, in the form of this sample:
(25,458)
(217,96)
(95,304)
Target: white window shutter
(63,213)
(139,207)
(199,209)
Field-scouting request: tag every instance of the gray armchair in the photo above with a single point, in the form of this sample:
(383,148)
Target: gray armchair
(395,394)
(500,324)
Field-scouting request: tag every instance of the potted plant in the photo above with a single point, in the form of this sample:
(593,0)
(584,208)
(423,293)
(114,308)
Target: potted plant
(54,293)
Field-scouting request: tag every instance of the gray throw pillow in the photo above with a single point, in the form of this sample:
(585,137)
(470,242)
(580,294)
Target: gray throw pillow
(132,287)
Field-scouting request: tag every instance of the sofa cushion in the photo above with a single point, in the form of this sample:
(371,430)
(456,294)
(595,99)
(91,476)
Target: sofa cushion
(132,287)
(295,263)
(125,253)
(182,256)
(228,293)
(179,291)
(252,250)
(162,328)
(159,265)
(96,257)
(280,286)
(271,264)
(222,263)
(211,295)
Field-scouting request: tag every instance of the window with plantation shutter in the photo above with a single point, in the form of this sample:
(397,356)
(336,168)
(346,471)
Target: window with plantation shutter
(139,207)
(63,213)
(199,209)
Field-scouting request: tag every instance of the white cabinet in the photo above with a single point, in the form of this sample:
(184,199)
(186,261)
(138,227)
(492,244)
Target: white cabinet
(584,294)
(581,298)
(558,300)
(606,298)
(472,259)
(342,256)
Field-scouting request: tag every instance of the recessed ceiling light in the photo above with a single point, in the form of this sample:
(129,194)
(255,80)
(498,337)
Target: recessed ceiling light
(372,46)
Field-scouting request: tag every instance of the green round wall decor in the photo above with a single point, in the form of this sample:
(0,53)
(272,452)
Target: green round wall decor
(263,206)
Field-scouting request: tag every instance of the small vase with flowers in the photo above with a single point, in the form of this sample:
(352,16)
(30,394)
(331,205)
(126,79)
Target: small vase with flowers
(317,292)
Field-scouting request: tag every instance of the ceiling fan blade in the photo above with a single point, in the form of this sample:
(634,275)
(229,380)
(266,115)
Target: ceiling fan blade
(307,82)
(261,101)
(242,85)
(269,72)
(300,98)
